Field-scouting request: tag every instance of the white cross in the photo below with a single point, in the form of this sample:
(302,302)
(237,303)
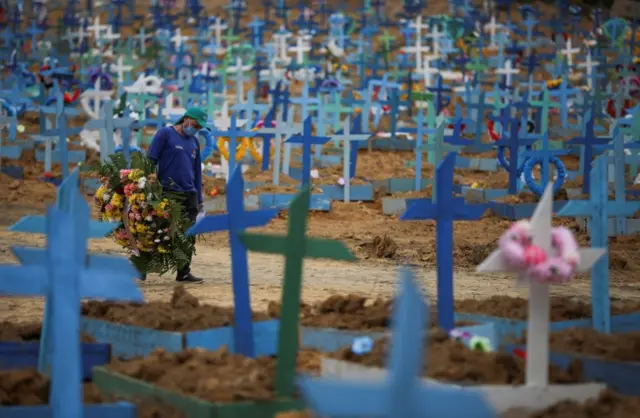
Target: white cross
(97,28)
(418,49)
(300,49)
(98,96)
(588,65)
(178,39)
(217,29)
(508,71)
(569,52)
(272,75)
(222,118)
(120,69)
(346,139)
(280,131)
(435,36)
(537,368)
(142,38)
(170,109)
(493,28)
(427,71)
(145,84)
(280,39)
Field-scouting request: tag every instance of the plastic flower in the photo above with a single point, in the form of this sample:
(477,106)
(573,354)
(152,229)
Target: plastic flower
(135,175)
(100,192)
(117,201)
(161,249)
(106,197)
(142,182)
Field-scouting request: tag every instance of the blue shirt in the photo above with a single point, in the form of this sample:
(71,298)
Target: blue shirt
(178,160)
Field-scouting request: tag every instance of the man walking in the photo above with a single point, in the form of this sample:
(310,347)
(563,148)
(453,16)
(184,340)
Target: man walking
(176,152)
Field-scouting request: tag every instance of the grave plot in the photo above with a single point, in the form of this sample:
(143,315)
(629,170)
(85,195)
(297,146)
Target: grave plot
(414,134)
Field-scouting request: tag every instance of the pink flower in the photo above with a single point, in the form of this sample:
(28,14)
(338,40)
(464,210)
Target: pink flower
(108,207)
(132,215)
(534,255)
(166,215)
(138,217)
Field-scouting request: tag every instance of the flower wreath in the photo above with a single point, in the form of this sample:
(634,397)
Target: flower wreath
(150,221)
(557,266)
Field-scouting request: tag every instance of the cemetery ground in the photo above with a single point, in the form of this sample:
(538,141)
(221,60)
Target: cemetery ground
(380,242)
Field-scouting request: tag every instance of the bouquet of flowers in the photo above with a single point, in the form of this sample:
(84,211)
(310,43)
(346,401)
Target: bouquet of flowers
(151,224)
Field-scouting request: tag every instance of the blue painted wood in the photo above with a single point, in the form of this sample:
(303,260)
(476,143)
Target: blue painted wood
(444,210)
(398,205)
(619,376)
(598,209)
(518,211)
(20,355)
(13,171)
(509,329)
(130,341)
(64,279)
(329,340)
(388,145)
(481,164)
(317,202)
(91,185)
(358,192)
(234,221)
(402,394)
(73,156)
(398,185)
(307,139)
(119,410)
(12,152)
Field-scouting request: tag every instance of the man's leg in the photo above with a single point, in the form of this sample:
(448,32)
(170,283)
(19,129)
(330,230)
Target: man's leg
(190,208)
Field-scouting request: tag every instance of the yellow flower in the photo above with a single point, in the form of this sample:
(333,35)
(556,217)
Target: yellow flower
(141,228)
(99,193)
(116,200)
(161,249)
(135,174)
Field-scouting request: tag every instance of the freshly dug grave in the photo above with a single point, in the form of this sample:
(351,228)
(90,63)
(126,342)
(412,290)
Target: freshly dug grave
(183,313)
(617,347)
(27,387)
(608,405)
(451,361)
(215,376)
(563,308)
(28,332)
(347,312)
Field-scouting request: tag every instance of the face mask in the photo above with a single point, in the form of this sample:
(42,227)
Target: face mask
(189,130)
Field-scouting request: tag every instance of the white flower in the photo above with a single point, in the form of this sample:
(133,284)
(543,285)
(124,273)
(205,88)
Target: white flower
(106,197)
(160,231)
(157,241)
(142,182)
(149,218)
(166,238)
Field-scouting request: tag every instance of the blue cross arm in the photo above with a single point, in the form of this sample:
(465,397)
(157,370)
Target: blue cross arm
(37,225)
(339,398)
(105,276)
(313,247)
(312,140)
(587,208)
(23,280)
(211,223)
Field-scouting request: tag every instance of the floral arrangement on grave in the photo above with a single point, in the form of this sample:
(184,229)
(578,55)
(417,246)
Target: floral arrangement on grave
(151,222)
(555,267)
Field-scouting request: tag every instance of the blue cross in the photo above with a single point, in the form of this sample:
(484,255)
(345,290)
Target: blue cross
(307,140)
(65,273)
(444,210)
(401,394)
(598,209)
(236,220)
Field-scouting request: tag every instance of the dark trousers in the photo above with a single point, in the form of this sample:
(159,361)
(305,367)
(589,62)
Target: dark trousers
(189,202)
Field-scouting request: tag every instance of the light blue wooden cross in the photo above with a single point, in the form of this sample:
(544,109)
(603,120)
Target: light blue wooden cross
(237,220)
(106,126)
(251,109)
(597,210)
(305,102)
(401,394)
(439,148)
(65,273)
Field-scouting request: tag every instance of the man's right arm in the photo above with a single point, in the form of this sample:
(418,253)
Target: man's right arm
(157,145)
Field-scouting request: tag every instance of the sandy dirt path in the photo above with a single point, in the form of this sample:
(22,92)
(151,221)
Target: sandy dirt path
(321,280)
